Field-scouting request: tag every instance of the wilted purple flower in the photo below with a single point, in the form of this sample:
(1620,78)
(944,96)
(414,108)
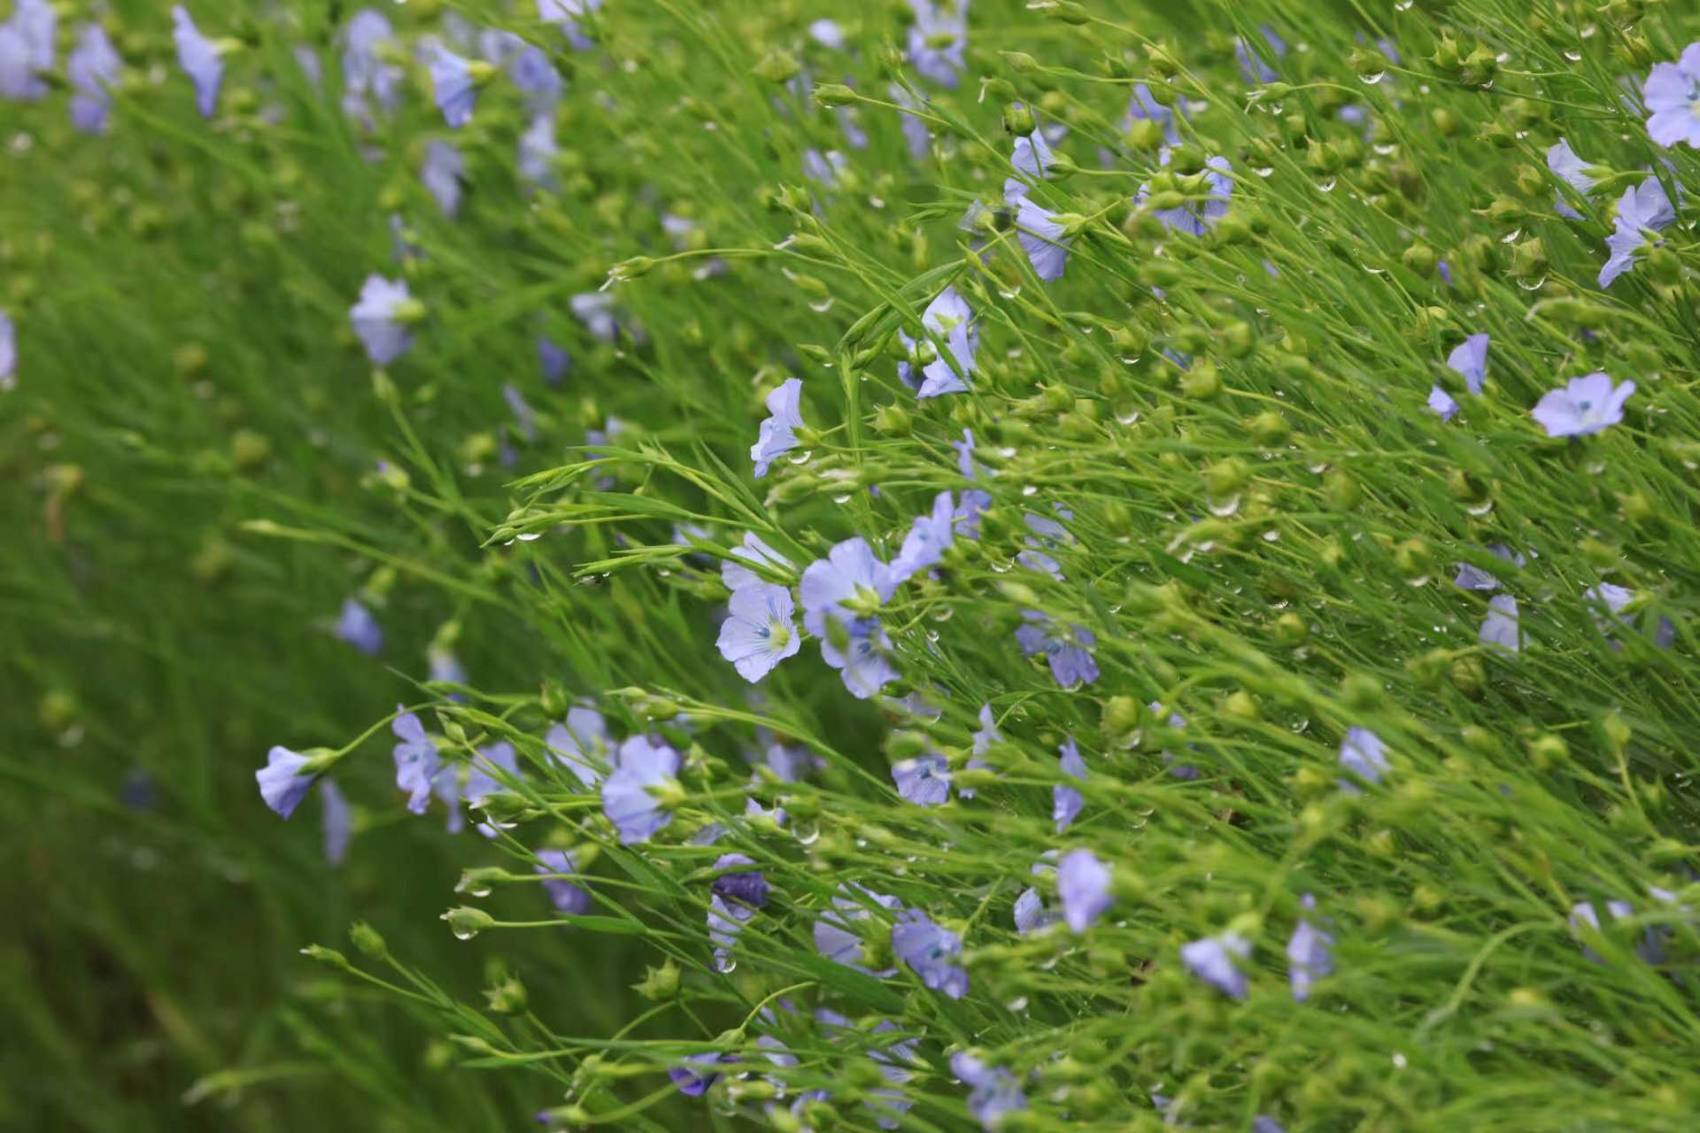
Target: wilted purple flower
(930,950)
(735,575)
(924,780)
(553,360)
(627,799)
(778,434)
(454,83)
(92,69)
(564,895)
(1083,887)
(1066,801)
(733,900)
(993,1091)
(595,309)
(537,152)
(835,936)
(359,628)
(1585,405)
(1067,649)
(416,760)
(381,319)
(367,73)
(1309,953)
(1672,94)
(1042,236)
(928,539)
(938,39)
(759,632)
(443,171)
(284,780)
(1573,171)
(580,744)
(1196,217)
(1500,626)
(338,828)
(949,320)
(1212,960)
(1362,754)
(199,58)
(1643,209)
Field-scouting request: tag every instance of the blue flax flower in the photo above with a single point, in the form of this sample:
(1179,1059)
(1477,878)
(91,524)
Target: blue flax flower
(924,780)
(443,171)
(948,319)
(381,319)
(1468,359)
(1309,953)
(1066,801)
(692,1082)
(285,780)
(836,931)
(552,359)
(1041,235)
(1672,94)
(27,49)
(416,760)
(563,894)
(368,73)
(1213,961)
(200,59)
(1573,171)
(1584,405)
(1195,217)
(930,951)
(841,594)
(1500,626)
(938,39)
(778,433)
(1141,106)
(356,625)
(1068,649)
(734,899)
(1363,754)
(993,1091)
(537,152)
(928,539)
(580,745)
(454,82)
(759,632)
(565,14)
(983,739)
(338,822)
(8,353)
(1083,887)
(92,68)
(628,795)
(755,551)
(1642,210)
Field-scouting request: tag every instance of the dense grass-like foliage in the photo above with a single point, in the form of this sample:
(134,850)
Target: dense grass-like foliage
(897,565)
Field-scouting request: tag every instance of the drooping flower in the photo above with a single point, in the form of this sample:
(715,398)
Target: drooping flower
(930,952)
(627,796)
(694,1082)
(1068,649)
(1032,156)
(1499,628)
(923,780)
(983,739)
(1642,210)
(928,539)
(285,780)
(950,321)
(536,78)
(1583,406)
(1066,801)
(835,932)
(443,172)
(1573,171)
(1195,217)
(1672,94)
(199,58)
(759,632)
(416,760)
(92,69)
(454,83)
(1309,953)
(381,318)
(938,39)
(993,1091)
(1362,753)
(1212,960)
(566,896)
(359,628)
(778,433)
(735,575)
(580,744)
(1083,887)
(1469,360)
(734,900)
(338,830)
